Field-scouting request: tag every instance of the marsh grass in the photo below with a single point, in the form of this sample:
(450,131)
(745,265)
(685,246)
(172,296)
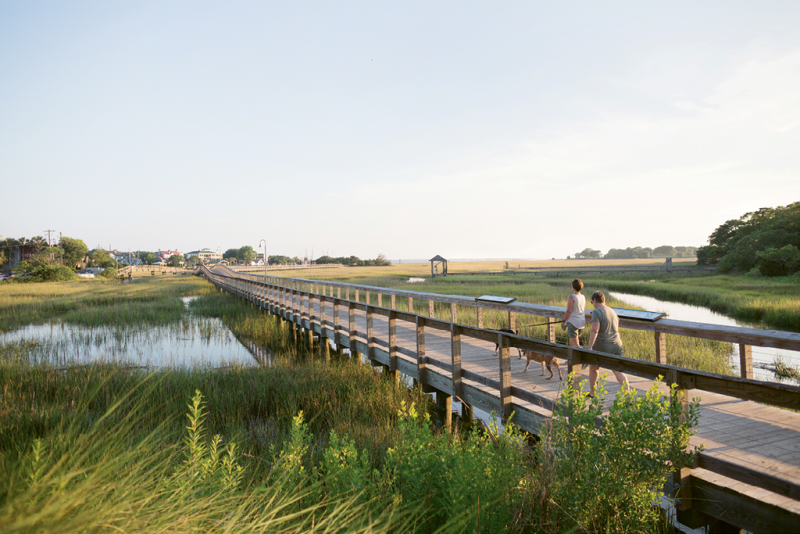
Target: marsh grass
(97,302)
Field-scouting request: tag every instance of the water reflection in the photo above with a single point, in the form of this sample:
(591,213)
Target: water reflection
(192,342)
(763,357)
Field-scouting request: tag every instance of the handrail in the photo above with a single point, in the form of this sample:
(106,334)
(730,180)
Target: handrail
(240,268)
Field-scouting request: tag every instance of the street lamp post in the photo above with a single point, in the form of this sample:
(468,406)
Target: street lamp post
(265,257)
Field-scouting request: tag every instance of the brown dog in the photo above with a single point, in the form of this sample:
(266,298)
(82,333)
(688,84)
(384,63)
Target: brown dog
(545,360)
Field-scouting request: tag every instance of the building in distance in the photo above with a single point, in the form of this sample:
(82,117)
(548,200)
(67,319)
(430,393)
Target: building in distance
(164,255)
(204,255)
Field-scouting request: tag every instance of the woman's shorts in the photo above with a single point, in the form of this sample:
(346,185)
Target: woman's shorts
(572,331)
(611,348)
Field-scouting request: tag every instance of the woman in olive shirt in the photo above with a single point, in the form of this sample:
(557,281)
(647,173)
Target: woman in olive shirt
(604,337)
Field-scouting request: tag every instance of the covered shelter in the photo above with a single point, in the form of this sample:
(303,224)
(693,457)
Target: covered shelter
(437,262)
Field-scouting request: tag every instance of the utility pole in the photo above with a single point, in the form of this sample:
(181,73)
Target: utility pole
(49,236)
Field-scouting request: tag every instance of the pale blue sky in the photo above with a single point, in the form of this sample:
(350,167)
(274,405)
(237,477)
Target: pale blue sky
(408,128)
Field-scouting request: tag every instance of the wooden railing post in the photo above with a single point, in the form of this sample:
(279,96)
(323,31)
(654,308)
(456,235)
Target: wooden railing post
(393,346)
(479,313)
(351,309)
(410,304)
(453,312)
(512,321)
(370,335)
(746,361)
(551,330)
(431,308)
(455,358)
(392,301)
(293,314)
(311,319)
(380,300)
(336,333)
(504,354)
(421,352)
(661,347)
(323,336)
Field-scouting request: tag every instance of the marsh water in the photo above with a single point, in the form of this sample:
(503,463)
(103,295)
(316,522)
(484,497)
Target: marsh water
(763,357)
(193,341)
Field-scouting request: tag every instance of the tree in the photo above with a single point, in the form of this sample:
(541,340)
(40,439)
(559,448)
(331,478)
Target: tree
(779,262)
(100,258)
(738,241)
(282,260)
(38,242)
(231,253)
(246,254)
(175,260)
(148,258)
(665,251)
(588,253)
(75,251)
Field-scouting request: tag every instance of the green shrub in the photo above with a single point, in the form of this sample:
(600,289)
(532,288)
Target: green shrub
(779,261)
(108,272)
(49,273)
(606,477)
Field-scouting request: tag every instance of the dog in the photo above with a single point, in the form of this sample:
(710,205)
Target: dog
(544,359)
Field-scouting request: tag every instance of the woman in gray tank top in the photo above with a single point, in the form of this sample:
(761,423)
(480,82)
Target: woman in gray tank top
(604,337)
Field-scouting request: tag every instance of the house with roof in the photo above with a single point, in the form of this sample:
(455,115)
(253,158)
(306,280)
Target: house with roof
(165,255)
(205,255)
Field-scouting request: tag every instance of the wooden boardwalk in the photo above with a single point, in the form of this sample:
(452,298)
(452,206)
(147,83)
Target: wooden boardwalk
(748,475)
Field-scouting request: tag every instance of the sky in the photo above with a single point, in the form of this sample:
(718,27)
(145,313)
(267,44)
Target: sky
(466,129)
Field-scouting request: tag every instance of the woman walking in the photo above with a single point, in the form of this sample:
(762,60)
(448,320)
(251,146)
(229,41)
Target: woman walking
(604,337)
(575,316)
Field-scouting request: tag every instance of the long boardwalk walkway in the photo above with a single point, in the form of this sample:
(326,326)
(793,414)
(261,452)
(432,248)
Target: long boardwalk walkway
(748,474)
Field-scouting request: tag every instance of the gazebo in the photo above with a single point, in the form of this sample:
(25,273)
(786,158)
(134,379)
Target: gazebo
(437,261)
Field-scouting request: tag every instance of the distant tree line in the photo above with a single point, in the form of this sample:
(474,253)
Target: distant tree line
(632,253)
(354,261)
(767,239)
(284,260)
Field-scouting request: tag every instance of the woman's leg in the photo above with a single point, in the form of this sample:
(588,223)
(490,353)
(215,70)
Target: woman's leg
(593,369)
(574,342)
(622,379)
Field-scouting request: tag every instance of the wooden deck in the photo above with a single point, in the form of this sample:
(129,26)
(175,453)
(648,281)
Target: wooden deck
(748,475)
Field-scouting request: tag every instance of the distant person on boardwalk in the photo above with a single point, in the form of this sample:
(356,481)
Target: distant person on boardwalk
(575,317)
(604,337)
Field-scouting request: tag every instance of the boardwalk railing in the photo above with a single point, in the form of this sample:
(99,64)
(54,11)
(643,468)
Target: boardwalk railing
(129,269)
(256,268)
(304,302)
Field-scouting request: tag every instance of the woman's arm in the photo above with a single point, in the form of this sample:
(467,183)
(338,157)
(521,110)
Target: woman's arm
(593,334)
(568,312)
